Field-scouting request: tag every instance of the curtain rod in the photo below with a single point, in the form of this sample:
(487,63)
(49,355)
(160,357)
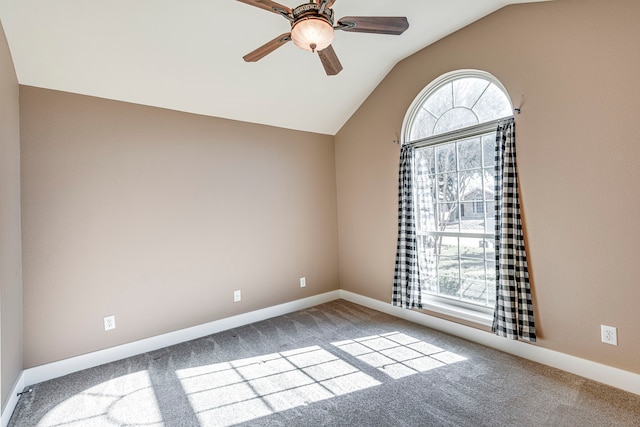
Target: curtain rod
(464,133)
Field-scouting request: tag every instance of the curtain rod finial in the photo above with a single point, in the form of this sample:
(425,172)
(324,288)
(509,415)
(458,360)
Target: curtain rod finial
(518,109)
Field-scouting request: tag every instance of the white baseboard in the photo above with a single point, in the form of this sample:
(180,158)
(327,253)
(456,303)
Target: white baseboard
(63,367)
(12,401)
(614,377)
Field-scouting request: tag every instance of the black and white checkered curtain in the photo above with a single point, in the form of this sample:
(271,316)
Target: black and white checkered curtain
(513,315)
(406,282)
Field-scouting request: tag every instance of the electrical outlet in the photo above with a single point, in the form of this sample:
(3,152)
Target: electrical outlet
(237,296)
(109,323)
(303,282)
(609,334)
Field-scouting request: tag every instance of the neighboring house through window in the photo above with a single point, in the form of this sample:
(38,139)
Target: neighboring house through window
(452,124)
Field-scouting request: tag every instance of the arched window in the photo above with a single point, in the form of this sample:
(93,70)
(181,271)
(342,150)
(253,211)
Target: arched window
(452,125)
(454,101)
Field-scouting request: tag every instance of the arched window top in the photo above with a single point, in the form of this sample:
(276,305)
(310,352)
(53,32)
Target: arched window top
(454,101)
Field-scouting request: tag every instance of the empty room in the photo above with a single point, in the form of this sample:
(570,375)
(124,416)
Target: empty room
(259,213)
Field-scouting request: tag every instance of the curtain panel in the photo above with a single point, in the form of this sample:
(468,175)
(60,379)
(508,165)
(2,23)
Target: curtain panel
(406,282)
(513,314)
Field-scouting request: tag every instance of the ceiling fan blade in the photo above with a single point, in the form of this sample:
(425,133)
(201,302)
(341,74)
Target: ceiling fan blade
(267,48)
(269,5)
(394,25)
(330,61)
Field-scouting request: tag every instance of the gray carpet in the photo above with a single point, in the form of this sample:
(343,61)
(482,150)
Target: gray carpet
(337,364)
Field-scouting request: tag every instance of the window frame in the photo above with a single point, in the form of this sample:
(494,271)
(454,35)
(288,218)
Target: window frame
(438,304)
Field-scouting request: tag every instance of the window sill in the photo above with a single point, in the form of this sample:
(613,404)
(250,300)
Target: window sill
(455,312)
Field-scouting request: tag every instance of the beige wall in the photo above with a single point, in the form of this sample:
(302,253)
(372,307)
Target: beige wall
(10,250)
(576,62)
(156,217)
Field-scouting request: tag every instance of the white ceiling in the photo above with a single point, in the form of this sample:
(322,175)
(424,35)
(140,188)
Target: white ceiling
(186,55)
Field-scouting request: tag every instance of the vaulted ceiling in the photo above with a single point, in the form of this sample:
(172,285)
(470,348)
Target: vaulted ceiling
(187,55)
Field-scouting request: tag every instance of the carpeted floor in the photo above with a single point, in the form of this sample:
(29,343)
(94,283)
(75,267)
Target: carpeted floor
(337,364)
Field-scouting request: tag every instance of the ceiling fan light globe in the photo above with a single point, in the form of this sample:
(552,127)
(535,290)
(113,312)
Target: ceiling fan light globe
(312,34)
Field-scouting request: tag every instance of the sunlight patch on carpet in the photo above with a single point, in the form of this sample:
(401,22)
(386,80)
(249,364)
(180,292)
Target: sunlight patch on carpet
(124,401)
(228,393)
(398,355)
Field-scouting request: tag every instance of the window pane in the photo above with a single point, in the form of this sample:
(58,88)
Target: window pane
(473,291)
(423,125)
(446,158)
(489,215)
(447,246)
(427,262)
(448,286)
(470,185)
(472,261)
(489,184)
(491,284)
(426,188)
(426,216)
(448,217)
(456,118)
(491,296)
(425,161)
(448,268)
(447,251)
(491,270)
(467,91)
(472,247)
(447,187)
(493,104)
(426,184)
(471,223)
(471,204)
(489,150)
(469,154)
(440,101)
(490,264)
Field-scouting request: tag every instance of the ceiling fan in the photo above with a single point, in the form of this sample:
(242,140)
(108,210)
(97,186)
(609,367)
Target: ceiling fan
(312,29)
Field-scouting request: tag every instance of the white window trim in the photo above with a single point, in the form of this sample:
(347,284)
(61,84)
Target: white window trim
(437,305)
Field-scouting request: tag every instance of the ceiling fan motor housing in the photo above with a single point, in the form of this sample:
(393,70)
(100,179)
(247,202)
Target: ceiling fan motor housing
(311,10)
